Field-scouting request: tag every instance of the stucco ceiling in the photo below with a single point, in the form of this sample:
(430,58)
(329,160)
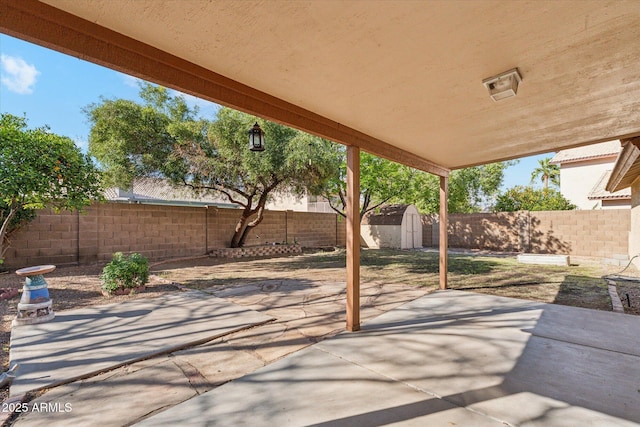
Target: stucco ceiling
(410,73)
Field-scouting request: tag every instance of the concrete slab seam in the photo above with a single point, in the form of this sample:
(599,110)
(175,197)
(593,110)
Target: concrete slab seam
(414,387)
(147,356)
(565,341)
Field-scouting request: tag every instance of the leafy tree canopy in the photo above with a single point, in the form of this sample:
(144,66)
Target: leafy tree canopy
(470,190)
(39,169)
(381,181)
(164,137)
(521,198)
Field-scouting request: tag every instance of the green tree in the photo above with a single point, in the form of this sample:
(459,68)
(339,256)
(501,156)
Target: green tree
(39,169)
(131,140)
(381,181)
(163,137)
(470,190)
(521,198)
(547,173)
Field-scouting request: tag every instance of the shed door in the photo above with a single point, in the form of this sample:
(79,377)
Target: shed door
(412,230)
(417,231)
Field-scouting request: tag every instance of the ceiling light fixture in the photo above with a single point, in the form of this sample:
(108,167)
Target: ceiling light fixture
(504,85)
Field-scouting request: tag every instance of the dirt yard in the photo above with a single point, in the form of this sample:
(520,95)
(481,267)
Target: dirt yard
(577,285)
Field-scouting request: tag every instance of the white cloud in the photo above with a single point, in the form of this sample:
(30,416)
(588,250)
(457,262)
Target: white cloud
(17,75)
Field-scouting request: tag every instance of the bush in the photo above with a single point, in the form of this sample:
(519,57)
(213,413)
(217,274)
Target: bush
(125,272)
(521,198)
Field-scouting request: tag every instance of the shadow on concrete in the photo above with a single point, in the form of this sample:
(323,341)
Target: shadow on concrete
(81,343)
(449,357)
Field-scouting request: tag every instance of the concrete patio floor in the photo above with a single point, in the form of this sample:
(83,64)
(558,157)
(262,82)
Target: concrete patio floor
(448,358)
(81,343)
(305,312)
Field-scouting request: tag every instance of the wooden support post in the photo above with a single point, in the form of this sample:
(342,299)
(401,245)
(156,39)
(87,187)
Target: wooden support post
(353,238)
(444,240)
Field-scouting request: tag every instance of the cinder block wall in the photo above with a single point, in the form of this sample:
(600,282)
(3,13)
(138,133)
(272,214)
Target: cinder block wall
(595,233)
(312,229)
(497,231)
(50,237)
(161,232)
(342,230)
(158,232)
(427,230)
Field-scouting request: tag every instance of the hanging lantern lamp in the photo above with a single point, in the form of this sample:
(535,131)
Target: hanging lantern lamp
(256,138)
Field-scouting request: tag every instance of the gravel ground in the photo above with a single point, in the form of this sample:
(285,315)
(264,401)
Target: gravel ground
(625,288)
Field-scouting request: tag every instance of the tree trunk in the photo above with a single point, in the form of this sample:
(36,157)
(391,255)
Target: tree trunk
(4,231)
(239,234)
(259,212)
(244,225)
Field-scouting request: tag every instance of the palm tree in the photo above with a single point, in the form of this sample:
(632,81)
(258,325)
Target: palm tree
(547,172)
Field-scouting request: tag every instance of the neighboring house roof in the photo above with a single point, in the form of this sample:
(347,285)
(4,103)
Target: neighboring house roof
(588,152)
(159,190)
(599,191)
(386,215)
(627,167)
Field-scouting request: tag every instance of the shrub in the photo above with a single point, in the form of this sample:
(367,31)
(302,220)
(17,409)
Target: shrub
(125,272)
(521,198)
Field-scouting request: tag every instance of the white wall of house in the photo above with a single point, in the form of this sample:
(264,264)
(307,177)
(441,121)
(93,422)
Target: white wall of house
(287,202)
(634,234)
(577,180)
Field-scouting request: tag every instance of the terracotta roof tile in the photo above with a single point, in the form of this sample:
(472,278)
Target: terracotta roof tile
(593,151)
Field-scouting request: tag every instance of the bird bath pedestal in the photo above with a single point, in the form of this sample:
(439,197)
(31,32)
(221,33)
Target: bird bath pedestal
(35,304)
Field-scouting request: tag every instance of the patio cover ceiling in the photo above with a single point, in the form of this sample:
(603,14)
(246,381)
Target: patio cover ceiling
(399,79)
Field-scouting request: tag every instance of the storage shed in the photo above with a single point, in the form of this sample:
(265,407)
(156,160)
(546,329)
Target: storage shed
(393,226)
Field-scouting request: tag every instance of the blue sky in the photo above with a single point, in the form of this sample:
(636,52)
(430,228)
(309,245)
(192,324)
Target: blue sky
(52,89)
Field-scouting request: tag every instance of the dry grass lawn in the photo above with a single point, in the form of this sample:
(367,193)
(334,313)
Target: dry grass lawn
(577,285)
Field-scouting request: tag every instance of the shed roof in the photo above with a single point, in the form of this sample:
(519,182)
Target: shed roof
(386,215)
